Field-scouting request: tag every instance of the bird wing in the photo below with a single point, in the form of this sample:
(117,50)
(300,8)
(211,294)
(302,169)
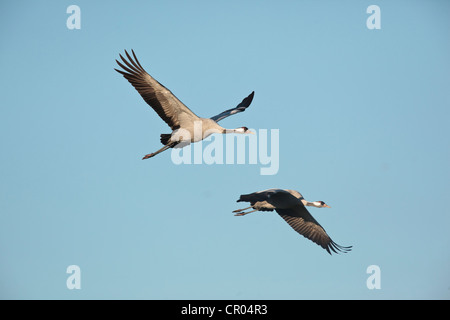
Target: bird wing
(239,108)
(299,218)
(161,99)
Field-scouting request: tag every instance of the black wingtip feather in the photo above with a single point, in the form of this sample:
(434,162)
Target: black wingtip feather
(337,248)
(130,64)
(136,59)
(247,101)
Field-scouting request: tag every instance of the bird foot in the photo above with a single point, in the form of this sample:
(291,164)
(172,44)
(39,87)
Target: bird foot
(148,156)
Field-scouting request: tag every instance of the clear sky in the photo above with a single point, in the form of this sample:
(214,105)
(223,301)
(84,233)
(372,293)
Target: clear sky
(363,120)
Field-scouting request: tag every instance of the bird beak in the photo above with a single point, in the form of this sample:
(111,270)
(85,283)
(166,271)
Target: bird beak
(326,206)
(249,132)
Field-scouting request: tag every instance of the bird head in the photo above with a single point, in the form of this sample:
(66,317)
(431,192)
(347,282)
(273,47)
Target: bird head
(244,130)
(322,204)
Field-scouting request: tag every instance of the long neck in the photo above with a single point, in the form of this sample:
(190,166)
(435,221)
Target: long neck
(238,130)
(208,127)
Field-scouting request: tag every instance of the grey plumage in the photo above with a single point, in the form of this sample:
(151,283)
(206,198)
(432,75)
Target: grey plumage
(177,115)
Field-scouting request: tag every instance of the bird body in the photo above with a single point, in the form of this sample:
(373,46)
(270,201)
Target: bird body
(186,126)
(291,206)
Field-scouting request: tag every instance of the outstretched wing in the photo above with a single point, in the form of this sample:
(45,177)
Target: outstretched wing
(240,108)
(168,107)
(304,223)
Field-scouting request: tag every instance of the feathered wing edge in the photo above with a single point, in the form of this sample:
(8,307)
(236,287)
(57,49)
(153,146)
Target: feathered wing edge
(161,99)
(312,230)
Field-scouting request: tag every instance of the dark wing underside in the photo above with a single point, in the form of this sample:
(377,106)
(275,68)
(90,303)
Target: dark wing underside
(303,222)
(161,99)
(239,108)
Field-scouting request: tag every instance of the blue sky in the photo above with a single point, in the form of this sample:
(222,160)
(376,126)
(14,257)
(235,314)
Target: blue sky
(363,125)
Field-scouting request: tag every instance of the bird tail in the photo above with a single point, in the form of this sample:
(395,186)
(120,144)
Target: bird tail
(245,198)
(252,197)
(165,140)
(165,137)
